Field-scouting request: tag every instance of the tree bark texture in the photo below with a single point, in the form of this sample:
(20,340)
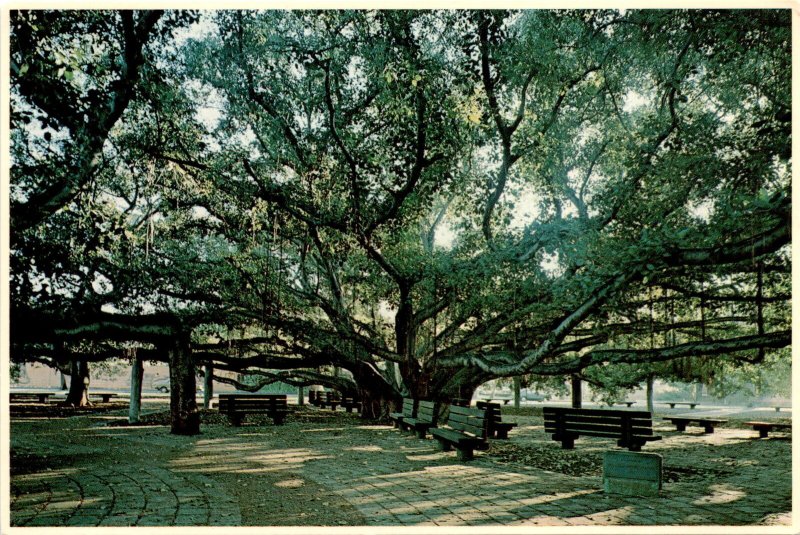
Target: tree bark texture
(517,388)
(184,415)
(78,395)
(576,392)
(137,373)
(650,391)
(208,386)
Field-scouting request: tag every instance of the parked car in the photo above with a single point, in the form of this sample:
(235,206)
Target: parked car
(529,395)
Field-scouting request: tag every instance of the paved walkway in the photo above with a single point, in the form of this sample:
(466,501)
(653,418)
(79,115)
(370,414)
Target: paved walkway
(119,476)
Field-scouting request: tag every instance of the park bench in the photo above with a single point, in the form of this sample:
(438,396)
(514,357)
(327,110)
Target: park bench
(330,399)
(489,400)
(466,431)
(236,406)
(628,403)
(409,410)
(632,429)
(496,428)
(42,397)
(105,397)
(673,403)
(427,416)
(349,403)
(681,422)
(764,428)
(312,397)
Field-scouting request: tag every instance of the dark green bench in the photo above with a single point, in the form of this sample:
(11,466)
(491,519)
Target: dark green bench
(328,399)
(409,410)
(707,424)
(496,428)
(673,403)
(349,403)
(426,418)
(632,429)
(628,403)
(465,430)
(236,406)
(764,428)
(105,397)
(42,397)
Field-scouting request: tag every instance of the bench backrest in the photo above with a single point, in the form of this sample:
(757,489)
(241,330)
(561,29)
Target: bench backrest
(409,407)
(427,411)
(245,402)
(348,400)
(331,396)
(468,420)
(599,423)
(492,410)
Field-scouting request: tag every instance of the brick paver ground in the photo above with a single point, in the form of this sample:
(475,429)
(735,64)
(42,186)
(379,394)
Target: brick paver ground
(120,476)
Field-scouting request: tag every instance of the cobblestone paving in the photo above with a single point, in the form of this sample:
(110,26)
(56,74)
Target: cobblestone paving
(145,476)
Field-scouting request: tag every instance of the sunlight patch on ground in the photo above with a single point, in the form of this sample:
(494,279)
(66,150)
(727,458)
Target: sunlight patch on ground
(324,429)
(722,493)
(290,483)
(535,500)
(364,448)
(60,473)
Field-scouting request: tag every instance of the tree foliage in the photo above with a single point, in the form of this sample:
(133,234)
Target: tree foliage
(427,199)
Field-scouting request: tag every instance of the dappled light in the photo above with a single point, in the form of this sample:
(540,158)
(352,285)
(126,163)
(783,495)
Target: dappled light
(399,267)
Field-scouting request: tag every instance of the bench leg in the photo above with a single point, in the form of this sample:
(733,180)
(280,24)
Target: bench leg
(465,454)
(709,428)
(420,433)
(680,426)
(671,405)
(349,408)
(567,443)
(501,433)
(236,419)
(763,432)
(278,419)
(444,445)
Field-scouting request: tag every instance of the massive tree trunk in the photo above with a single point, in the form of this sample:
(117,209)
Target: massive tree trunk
(137,373)
(78,395)
(650,384)
(378,398)
(184,415)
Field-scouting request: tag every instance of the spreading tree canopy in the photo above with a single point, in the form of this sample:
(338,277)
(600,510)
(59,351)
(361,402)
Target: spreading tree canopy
(427,199)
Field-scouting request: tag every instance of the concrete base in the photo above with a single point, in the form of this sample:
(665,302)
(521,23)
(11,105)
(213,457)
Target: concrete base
(634,474)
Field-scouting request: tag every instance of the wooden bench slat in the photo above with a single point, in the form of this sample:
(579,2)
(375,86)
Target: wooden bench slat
(466,430)
(236,406)
(632,428)
(635,431)
(591,418)
(597,412)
